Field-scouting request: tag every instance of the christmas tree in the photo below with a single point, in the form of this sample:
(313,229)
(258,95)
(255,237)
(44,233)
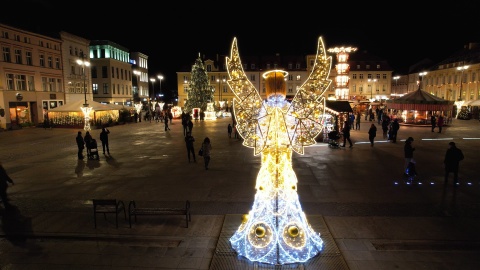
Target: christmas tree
(199,91)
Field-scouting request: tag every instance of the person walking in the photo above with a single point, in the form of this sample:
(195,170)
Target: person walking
(104,139)
(190,125)
(408,150)
(433,122)
(80,144)
(4,180)
(440,123)
(395,127)
(452,159)
(166,123)
(372,133)
(346,134)
(229,130)
(357,121)
(185,118)
(385,124)
(189,140)
(206,146)
(88,140)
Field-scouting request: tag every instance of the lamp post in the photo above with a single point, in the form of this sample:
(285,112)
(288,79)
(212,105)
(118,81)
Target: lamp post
(85,109)
(149,104)
(462,68)
(371,88)
(395,89)
(160,78)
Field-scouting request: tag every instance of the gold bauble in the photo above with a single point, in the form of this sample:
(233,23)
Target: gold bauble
(293,231)
(260,232)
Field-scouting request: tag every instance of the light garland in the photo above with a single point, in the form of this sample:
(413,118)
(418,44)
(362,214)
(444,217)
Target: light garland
(276,230)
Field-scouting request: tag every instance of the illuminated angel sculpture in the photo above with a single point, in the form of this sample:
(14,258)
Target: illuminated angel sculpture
(276,230)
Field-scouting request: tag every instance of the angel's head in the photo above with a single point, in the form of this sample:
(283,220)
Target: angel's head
(275,82)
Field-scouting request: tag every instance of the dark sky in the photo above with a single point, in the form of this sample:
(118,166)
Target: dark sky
(173,33)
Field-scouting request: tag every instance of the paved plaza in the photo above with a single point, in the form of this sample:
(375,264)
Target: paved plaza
(356,198)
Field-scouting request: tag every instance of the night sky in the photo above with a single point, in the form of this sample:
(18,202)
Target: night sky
(173,33)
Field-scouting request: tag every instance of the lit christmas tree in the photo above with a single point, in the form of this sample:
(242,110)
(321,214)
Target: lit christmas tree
(199,91)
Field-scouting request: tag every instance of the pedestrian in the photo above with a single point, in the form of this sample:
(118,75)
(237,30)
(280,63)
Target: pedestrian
(408,154)
(189,139)
(357,121)
(4,180)
(351,119)
(80,144)
(166,123)
(229,130)
(185,118)
(440,123)
(385,124)
(372,133)
(346,134)
(206,146)
(88,140)
(433,122)
(104,139)
(190,125)
(395,127)
(453,156)
(135,115)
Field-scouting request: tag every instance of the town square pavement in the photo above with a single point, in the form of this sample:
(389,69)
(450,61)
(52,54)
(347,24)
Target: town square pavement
(368,216)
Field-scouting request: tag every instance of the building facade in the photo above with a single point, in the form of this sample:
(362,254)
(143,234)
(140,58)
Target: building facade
(140,72)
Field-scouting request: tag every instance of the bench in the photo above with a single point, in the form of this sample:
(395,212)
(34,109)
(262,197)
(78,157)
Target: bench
(108,206)
(135,211)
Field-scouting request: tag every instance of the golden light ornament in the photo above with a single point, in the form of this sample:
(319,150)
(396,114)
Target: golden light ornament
(279,232)
(86,117)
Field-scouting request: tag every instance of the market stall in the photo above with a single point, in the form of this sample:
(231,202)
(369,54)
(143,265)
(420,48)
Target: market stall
(71,115)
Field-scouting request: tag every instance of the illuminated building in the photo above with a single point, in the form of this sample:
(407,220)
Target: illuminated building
(342,68)
(276,230)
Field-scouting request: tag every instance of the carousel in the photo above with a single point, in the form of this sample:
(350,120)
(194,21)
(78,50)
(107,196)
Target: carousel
(417,107)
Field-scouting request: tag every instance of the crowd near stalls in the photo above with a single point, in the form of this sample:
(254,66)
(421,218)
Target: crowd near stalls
(336,113)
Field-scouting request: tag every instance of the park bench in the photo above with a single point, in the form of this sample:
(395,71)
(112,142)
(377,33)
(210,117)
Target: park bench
(108,206)
(135,211)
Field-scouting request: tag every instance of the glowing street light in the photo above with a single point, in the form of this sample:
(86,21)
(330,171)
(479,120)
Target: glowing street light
(462,68)
(395,89)
(160,78)
(149,104)
(85,109)
(421,74)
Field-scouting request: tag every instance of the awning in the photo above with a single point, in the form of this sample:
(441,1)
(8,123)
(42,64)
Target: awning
(339,106)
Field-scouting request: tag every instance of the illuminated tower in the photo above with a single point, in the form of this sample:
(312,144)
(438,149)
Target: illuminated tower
(342,68)
(276,230)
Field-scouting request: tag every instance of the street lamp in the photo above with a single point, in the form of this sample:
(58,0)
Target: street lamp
(395,89)
(160,78)
(371,88)
(149,105)
(462,68)
(84,63)
(421,74)
(85,109)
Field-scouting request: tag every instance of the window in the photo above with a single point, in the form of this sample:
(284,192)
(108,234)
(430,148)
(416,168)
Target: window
(105,88)
(299,77)
(378,76)
(113,72)
(59,85)
(354,76)
(358,66)
(354,88)
(18,56)
(42,60)
(20,82)
(9,82)
(105,71)
(72,70)
(93,71)
(51,85)
(5,34)
(28,57)
(6,55)
(360,89)
(26,40)
(290,89)
(31,83)
(384,76)
(16,37)
(361,76)
(290,77)
(367,66)
(95,88)
(44,84)
(297,66)
(252,77)
(117,73)
(50,62)
(57,63)
(209,68)
(71,50)
(290,65)
(378,66)
(369,76)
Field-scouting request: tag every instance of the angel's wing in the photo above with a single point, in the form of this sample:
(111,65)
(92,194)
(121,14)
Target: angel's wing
(308,105)
(248,108)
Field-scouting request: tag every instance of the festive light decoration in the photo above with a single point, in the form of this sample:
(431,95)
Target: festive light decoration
(276,230)
(342,68)
(86,117)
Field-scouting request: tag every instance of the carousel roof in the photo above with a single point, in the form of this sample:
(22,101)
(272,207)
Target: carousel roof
(421,101)
(76,105)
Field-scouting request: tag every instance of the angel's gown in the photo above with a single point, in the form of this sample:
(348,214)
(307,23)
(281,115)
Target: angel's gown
(276,230)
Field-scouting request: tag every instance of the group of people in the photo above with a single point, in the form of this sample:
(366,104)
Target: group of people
(451,161)
(89,142)
(189,142)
